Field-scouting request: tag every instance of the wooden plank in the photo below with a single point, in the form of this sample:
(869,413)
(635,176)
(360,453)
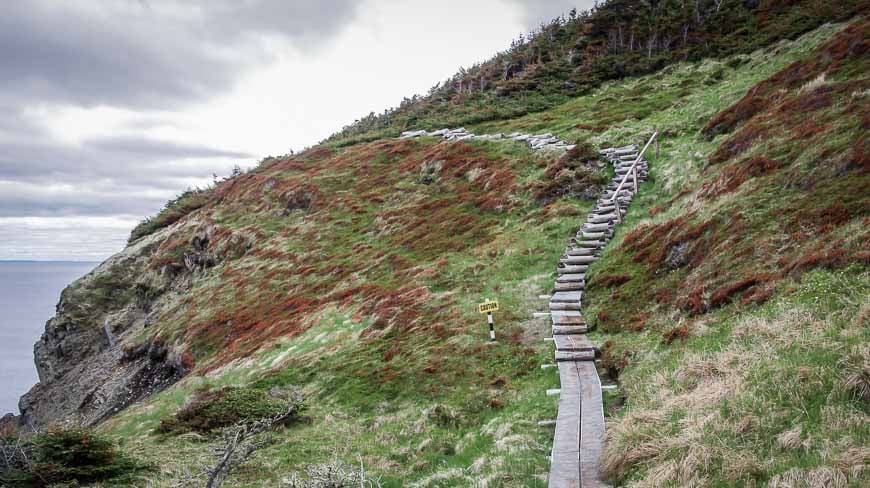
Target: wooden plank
(565,466)
(591,426)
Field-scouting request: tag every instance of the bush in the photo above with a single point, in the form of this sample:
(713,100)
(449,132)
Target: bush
(171,213)
(63,456)
(335,474)
(216,409)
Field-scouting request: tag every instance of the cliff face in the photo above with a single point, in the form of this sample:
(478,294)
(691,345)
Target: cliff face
(85,371)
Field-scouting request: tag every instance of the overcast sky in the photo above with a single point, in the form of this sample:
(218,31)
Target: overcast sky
(112,107)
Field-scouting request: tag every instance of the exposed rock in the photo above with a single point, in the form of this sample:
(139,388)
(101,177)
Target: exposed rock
(429,171)
(305,199)
(9,425)
(678,255)
(84,373)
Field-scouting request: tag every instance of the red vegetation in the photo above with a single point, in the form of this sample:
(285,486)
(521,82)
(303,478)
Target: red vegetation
(742,287)
(733,175)
(677,333)
(612,280)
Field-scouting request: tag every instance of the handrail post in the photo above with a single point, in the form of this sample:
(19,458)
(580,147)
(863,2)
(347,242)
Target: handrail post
(635,179)
(633,167)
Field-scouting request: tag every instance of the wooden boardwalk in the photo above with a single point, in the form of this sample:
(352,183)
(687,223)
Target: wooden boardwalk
(579,437)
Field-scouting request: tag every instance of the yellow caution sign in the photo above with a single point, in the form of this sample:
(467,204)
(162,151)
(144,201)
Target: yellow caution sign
(488,306)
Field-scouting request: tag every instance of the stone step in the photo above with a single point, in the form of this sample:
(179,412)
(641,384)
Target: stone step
(571,270)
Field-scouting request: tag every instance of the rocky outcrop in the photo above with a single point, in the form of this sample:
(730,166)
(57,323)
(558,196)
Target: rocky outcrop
(91,359)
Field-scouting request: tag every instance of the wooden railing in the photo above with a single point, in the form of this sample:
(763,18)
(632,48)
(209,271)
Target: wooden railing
(633,173)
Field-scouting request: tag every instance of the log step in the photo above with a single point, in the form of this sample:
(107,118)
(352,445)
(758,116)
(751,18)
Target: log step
(575,356)
(569,329)
(571,286)
(607,217)
(571,260)
(592,244)
(574,306)
(571,278)
(602,227)
(571,270)
(572,343)
(567,297)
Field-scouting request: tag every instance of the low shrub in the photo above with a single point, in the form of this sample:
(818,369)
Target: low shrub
(64,456)
(216,409)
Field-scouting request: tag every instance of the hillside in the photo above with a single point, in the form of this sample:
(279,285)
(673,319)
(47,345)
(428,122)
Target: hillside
(731,307)
(574,54)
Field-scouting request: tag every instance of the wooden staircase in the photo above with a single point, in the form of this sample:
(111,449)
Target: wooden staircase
(579,436)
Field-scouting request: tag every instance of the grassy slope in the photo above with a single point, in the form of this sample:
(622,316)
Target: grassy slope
(746,359)
(713,393)
(373,317)
(367,301)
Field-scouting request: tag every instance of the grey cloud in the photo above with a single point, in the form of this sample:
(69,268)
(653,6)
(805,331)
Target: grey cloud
(105,176)
(535,12)
(155,148)
(31,202)
(118,157)
(148,54)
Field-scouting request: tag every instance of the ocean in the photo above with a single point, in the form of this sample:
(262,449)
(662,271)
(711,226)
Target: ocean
(29,291)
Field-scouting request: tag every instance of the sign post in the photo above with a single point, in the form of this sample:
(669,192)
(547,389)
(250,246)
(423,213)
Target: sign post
(488,307)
